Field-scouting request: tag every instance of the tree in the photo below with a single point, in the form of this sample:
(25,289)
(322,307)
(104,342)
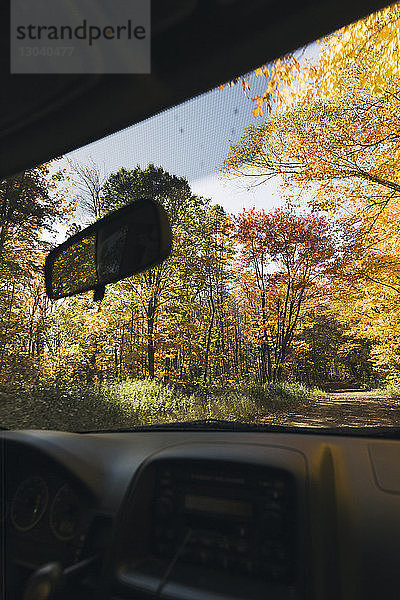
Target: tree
(89,180)
(125,186)
(362,55)
(343,153)
(30,205)
(168,322)
(340,138)
(284,74)
(325,350)
(339,151)
(283,263)
(175,281)
(365,51)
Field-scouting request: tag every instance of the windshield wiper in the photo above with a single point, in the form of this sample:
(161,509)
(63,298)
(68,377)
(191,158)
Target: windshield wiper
(238,426)
(210,424)
(199,425)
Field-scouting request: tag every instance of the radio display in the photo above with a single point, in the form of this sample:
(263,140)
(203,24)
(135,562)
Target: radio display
(222,506)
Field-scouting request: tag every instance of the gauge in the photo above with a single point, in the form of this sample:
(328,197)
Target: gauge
(65,513)
(29,503)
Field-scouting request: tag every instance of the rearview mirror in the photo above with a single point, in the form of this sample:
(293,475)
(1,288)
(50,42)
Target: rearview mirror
(125,242)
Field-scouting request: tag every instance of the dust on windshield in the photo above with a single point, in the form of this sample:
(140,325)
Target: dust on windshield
(280,301)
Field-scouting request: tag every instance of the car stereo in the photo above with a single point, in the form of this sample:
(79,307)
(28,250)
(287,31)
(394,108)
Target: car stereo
(225,517)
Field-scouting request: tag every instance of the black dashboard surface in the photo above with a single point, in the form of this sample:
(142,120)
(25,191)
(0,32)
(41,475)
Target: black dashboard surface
(343,506)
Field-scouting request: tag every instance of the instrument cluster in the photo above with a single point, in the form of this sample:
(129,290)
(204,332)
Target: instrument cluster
(44,511)
(47,517)
(35,499)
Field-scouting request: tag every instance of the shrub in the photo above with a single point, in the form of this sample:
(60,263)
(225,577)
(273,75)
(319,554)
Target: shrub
(143,402)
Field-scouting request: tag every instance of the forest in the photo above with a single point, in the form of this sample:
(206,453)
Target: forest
(254,306)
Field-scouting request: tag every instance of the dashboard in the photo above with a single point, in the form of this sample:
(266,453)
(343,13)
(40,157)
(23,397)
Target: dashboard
(201,515)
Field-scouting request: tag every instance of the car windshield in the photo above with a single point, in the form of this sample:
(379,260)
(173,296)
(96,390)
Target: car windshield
(279,304)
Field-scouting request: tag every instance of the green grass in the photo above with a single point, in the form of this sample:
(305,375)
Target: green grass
(143,402)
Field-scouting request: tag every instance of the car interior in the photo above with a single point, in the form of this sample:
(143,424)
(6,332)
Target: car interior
(196,512)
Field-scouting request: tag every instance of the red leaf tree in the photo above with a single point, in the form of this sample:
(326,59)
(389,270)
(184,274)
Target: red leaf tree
(283,269)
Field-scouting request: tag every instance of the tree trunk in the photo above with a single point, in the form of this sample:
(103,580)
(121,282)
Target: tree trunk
(150,338)
(6,327)
(208,341)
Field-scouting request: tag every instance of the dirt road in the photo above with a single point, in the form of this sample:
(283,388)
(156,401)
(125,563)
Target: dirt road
(347,407)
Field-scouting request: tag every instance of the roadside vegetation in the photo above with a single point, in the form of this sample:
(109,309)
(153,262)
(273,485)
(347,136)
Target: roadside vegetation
(144,402)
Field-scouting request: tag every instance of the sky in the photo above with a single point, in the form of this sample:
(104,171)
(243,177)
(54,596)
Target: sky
(190,140)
